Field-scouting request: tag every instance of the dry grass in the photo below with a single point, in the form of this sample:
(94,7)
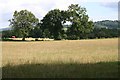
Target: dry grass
(80,51)
(61,59)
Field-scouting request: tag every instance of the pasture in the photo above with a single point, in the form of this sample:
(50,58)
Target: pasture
(95,58)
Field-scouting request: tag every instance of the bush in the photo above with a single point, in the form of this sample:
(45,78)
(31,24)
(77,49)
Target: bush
(36,39)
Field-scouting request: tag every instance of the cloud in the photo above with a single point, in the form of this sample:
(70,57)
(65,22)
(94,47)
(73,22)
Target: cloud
(38,7)
(112,5)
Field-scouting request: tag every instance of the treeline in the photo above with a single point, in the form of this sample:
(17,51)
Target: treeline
(25,24)
(96,33)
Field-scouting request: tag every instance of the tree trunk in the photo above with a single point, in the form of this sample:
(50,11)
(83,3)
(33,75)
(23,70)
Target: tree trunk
(23,39)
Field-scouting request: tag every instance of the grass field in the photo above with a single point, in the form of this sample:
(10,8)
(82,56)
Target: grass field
(69,58)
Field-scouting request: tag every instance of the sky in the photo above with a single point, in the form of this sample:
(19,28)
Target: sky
(97,10)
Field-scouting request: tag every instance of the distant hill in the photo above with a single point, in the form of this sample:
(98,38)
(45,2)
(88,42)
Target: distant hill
(107,24)
(5,29)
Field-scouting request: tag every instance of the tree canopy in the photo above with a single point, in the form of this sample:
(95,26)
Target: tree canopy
(25,24)
(80,21)
(22,22)
(52,24)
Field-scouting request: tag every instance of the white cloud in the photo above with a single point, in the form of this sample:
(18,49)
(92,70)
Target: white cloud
(37,7)
(112,5)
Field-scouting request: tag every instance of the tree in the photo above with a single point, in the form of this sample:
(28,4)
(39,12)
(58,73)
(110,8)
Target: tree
(7,34)
(80,21)
(52,24)
(23,22)
(36,32)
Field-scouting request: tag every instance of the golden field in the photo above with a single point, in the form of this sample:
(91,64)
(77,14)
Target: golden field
(81,51)
(59,52)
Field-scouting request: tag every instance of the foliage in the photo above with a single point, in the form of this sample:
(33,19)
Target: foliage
(36,32)
(7,34)
(80,21)
(22,22)
(52,24)
(104,33)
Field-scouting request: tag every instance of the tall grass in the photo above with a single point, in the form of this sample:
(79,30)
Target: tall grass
(62,70)
(70,58)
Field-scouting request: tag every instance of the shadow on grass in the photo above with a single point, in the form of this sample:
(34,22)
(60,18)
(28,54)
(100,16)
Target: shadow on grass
(62,70)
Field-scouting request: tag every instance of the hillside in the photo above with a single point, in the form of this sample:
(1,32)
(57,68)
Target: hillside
(106,24)
(5,29)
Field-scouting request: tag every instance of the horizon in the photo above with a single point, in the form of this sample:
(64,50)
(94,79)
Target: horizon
(97,10)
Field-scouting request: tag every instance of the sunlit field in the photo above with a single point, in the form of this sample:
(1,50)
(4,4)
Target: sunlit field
(66,58)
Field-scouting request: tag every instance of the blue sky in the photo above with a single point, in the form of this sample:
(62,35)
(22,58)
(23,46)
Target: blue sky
(97,10)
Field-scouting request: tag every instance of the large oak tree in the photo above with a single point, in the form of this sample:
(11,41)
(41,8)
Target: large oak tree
(80,21)
(23,22)
(52,24)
